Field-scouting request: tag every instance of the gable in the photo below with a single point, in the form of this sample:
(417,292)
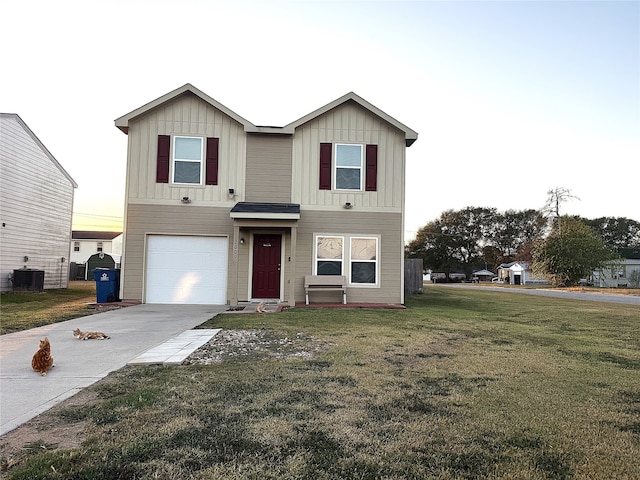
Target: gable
(8,143)
(352,99)
(123,122)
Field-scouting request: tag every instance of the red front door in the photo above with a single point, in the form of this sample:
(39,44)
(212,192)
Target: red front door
(266,266)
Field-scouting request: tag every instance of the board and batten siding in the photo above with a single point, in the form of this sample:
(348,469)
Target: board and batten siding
(36,198)
(180,219)
(349,123)
(268,169)
(388,226)
(185,115)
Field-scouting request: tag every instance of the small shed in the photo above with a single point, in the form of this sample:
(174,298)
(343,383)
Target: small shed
(99,260)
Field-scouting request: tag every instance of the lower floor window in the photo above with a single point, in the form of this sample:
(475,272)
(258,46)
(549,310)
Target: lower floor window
(351,255)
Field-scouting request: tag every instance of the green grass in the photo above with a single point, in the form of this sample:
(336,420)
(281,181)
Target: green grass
(24,310)
(463,384)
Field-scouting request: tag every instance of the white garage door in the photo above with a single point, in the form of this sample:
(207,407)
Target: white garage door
(186,269)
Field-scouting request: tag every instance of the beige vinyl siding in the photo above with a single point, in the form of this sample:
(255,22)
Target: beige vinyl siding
(186,115)
(36,200)
(349,123)
(388,226)
(178,219)
(268,169)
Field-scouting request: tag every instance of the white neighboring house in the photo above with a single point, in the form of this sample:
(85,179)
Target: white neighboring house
(94,249)
(619,273)
(36,205)
(85,243)
(517,273)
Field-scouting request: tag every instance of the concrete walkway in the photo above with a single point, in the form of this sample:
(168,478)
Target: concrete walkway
(140,334)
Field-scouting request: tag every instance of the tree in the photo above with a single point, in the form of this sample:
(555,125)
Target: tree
(617,232)
(455,240)
(434,246)
(572,251)
(514,231)
(555,197)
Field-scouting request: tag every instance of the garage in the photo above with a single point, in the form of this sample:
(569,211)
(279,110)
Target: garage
(185,269)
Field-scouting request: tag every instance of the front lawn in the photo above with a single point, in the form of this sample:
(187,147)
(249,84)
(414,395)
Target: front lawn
(24,310)
(462,384)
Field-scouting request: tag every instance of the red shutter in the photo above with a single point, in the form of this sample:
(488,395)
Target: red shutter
(162,161)
(211,173)
(325,166)
(371,182)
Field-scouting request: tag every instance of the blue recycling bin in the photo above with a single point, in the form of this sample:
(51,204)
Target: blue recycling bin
(107,284)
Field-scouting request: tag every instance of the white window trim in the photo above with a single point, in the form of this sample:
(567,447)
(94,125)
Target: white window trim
(174,159)
(315,251)
(346,256)
(376,262)
(335,167)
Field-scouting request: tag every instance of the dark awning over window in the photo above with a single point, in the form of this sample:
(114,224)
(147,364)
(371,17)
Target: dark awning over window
(270,211)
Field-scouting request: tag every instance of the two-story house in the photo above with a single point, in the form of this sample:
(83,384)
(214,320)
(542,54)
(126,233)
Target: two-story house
(36,206)
(219,210)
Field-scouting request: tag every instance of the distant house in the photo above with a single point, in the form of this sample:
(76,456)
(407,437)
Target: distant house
(517,273)
(624,272)
(91,249)
(219,210)
(85,243)
(36,195)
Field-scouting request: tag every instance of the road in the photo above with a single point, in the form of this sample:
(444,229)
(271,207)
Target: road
(606,296)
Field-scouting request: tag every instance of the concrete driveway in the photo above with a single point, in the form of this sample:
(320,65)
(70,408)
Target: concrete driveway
(134,330)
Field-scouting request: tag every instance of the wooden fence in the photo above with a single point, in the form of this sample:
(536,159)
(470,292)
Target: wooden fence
(412,276)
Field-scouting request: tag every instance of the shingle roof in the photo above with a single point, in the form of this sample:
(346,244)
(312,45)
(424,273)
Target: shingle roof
(284,211)
(123,122)
(93,235)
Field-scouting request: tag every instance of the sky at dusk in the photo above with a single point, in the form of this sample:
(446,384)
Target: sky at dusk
(509,98)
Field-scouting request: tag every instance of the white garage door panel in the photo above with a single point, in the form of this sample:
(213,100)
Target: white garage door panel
(184,269)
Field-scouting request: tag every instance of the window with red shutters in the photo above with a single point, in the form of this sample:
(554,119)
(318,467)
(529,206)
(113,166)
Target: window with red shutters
(162,162)
(371,161)
(325,166)
(211,166)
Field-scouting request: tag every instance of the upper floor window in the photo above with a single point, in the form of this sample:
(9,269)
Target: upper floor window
(190,160)
(188,154)
(99,249)
(348,167)
(76,246)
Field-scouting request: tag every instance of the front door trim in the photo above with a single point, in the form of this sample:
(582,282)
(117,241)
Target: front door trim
(266,266)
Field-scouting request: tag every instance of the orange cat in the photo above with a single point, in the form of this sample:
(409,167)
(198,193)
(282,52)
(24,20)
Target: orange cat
(89,335)
(42,359)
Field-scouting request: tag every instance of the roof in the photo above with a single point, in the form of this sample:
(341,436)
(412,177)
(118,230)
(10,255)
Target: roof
(484,273)
(123,122)
(21,122)
(272,211)
(93,235)
(410,135)
(630,253)
(524,265)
